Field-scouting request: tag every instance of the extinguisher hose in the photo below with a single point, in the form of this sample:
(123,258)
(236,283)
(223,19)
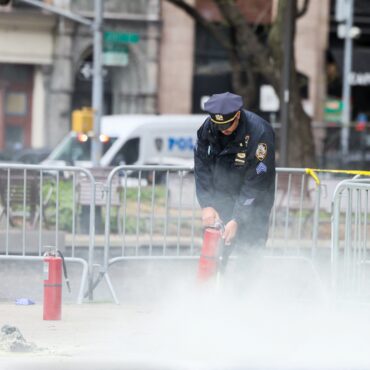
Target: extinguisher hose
(64,270)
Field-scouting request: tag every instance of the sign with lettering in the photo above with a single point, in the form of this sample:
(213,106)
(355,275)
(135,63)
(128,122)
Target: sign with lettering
(121,37)
(180,143)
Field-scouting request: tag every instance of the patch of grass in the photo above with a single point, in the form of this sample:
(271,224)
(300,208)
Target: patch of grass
(64,197)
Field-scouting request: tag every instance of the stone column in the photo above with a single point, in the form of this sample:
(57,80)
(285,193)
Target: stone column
(176,60)
(38,110)
(59,86)
(310,46)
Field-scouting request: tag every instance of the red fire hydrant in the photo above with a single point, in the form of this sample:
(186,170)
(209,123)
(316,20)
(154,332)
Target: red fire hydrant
(210,254)
(53,264)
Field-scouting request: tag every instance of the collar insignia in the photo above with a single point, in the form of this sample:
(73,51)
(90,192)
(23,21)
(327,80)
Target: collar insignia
(247,137)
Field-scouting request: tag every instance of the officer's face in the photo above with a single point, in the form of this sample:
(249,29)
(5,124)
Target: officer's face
(233,127)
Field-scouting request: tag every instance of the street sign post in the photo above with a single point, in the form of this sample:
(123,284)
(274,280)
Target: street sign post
(347,69)
(115,57)
(97,91)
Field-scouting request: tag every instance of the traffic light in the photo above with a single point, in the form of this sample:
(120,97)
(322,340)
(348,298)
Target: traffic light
(82,120)
(5,2)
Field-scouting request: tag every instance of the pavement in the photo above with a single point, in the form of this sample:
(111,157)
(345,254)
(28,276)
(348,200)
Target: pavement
(204,333)
(280,321)
(105,332)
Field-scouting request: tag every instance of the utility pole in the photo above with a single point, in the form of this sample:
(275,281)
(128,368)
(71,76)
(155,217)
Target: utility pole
(97,88)
(347,69)
(285,91)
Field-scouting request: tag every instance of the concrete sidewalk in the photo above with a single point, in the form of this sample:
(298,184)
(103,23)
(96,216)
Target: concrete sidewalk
(83,327)
(88,334)
(279,322)
(194,332)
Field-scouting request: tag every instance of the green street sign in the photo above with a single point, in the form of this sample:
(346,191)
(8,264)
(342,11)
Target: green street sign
(121,37)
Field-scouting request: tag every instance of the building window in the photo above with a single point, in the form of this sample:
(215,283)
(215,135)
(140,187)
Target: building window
(16,104)
(14,137)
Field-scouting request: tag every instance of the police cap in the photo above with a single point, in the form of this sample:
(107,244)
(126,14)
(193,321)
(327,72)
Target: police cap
(223,107)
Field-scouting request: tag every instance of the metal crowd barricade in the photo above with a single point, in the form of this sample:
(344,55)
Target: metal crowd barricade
(160,217)
(38,207)
(295,216)
(150,213)
(350,228)
(299,233)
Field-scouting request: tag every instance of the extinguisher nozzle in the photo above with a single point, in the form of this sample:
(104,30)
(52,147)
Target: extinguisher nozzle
(68,286)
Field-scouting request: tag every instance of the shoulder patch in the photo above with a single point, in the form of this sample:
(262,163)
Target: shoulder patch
(261,168)
(261,151)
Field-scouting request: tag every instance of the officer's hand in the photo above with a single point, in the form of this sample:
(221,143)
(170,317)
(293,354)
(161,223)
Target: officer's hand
(230,231)
(209,216)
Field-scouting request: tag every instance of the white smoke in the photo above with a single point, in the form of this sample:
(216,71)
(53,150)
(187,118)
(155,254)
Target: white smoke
(276,314)
(279,318)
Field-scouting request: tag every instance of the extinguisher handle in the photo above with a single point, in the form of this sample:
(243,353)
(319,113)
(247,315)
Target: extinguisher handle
(218,225)
(64,270)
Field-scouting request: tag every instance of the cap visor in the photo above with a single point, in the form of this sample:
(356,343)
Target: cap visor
(223,126)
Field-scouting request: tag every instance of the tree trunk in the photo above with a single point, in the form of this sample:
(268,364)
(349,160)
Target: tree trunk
(249,57)
(301,150)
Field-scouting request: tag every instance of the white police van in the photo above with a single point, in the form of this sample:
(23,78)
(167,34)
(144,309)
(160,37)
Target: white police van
(133,140)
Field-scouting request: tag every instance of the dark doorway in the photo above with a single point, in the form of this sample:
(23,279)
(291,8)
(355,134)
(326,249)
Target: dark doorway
(208,84)
(16,85)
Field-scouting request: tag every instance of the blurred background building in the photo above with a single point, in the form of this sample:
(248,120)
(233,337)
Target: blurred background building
(46,68)
(171,64)
(359,80)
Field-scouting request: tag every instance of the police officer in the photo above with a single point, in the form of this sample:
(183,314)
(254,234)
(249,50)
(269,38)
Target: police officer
(235,170)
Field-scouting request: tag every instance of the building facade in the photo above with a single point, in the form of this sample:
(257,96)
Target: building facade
(211,68)
(46,63)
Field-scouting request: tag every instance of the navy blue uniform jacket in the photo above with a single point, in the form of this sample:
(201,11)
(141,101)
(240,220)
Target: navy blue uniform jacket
(238,179)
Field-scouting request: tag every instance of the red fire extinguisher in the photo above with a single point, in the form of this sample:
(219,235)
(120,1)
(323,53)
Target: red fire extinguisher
(53,264)
(211,253)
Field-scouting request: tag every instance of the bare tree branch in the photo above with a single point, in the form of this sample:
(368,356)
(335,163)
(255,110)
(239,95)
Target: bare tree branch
(261,15)
(250,49)
(208,26)
(301,12)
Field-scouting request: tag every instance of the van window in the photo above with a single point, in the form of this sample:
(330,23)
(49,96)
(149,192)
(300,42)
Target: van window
(128,154)
(77,150)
